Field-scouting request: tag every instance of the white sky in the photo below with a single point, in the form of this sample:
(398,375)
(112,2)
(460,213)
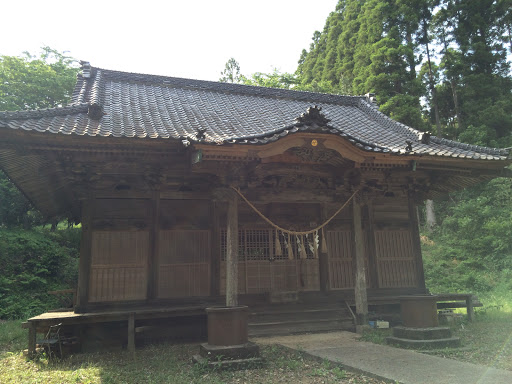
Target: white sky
(191,39)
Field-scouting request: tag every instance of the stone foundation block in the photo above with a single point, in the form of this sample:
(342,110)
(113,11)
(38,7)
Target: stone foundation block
(431,333)
(452,342)
(229,352)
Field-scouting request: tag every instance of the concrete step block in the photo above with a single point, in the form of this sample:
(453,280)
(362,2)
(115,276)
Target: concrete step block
(433,333)
(452,342)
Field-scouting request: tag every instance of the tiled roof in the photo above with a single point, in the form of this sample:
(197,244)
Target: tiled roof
(112,103)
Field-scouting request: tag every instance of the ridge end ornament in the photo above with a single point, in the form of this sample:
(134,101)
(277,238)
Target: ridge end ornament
(313,115)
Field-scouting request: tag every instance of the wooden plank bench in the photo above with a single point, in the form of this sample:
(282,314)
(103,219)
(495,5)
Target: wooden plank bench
(43,321)
(444,301)
(459,300)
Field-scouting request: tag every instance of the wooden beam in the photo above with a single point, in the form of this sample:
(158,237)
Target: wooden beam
(360,286)
(286,195)
(85,257)
(232,252)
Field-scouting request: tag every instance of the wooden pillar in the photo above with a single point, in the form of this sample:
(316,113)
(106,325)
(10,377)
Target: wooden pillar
(31,339)
(215,252)
(416,245)
(131,332)
(371,248)
(85,257)
(360,286)
(153,262)
(469,306)
(323,258)
(232,252)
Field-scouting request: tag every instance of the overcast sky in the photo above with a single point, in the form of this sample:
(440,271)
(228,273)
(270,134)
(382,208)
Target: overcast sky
(182,38)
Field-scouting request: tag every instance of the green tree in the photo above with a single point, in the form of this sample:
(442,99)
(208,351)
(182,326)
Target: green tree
(472,34)
(472,247)
(15,209)
(34,82)
(275,79)
(31,82)
(231,72)
(370,46)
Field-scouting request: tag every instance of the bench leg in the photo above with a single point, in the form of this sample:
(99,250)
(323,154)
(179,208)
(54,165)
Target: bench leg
(131,333)
(31,339)
(469,305)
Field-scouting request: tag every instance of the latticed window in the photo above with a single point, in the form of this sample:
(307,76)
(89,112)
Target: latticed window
(261,244)
(224,247)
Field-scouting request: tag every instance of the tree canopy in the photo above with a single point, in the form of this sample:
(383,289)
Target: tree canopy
(31,82)
(35,82)
(437,65)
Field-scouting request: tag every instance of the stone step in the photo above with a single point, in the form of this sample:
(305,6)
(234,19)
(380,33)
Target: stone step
(297,327)
(306,315)
(297,321)
(422,333)
(294,318)
(250,363)
(452,342)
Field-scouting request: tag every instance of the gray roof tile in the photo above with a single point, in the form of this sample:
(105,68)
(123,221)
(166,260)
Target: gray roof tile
(147,106)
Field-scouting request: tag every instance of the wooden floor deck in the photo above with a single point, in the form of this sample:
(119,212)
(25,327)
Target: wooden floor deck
(312,312)
(70,318)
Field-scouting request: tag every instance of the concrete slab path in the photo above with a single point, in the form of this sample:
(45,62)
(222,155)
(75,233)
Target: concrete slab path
(389,363)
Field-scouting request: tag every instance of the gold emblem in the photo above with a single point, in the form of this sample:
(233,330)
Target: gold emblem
(314,143)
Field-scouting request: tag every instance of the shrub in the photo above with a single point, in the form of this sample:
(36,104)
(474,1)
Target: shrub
(33,263)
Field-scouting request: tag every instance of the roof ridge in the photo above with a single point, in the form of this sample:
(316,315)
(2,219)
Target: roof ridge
(230,87)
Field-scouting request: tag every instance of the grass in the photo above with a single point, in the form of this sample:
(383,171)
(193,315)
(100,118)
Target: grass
(160,363)
(486,341)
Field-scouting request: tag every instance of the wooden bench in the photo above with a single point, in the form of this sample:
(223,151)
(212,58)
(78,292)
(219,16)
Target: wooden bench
(444,301)
(459,300)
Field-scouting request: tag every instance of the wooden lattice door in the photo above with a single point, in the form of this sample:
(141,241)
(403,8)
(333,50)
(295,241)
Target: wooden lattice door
(261,269)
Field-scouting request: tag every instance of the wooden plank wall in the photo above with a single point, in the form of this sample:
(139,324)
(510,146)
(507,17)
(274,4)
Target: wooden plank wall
(309,274)
(394,252)
(396,264)
(122,253)
(118,266)
(340,248)
(184,263)
(120,250)
(276,276)
(285,276)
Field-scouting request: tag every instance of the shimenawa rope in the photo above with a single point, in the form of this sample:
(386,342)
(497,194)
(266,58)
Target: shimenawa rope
(290,232)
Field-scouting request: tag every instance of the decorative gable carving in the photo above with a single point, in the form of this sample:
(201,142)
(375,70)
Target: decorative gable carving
(313,115)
